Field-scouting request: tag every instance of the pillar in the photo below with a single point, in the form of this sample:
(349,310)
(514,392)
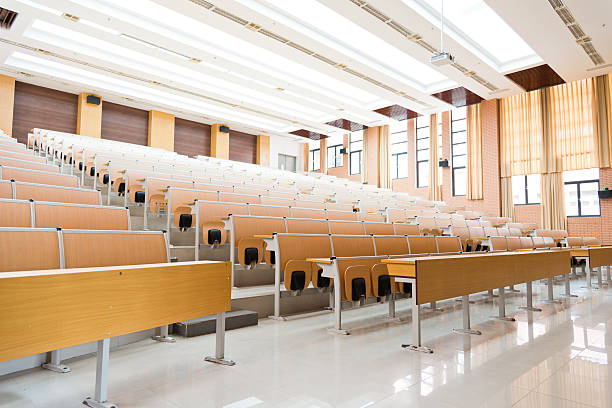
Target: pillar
(89,117)
(263,150)
(7,103)
(306,156)
(219,142)
(161,130)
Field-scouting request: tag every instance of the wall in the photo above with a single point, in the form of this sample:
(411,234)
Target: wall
(286,146)
(125,124)
(528,213)
(243,147)
(38,107)
(408,184)
(601,226)
(191,138)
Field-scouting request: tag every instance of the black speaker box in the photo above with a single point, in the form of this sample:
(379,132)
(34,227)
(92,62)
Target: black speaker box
(224,129)
(93,100)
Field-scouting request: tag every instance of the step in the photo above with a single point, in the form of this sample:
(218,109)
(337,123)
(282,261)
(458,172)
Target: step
(207,325)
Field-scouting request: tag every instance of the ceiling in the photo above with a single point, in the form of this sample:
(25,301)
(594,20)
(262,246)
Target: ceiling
(280,67)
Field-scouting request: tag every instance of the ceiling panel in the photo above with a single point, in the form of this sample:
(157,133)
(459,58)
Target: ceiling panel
(347,125)
(397,112)
(458,97)
(309,134)
(535,78)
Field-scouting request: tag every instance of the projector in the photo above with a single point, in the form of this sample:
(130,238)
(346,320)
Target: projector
(443,58)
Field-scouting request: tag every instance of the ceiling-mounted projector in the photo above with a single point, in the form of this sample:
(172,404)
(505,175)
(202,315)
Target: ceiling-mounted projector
(443,58)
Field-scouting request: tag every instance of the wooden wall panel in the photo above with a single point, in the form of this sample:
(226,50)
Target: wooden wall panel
(242,147)
(191,138)
(125,124)
(38,107)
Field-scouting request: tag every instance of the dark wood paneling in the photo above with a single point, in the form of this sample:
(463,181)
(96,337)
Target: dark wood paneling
(347,125)
(124,124)
(308,134)
(534,78)
(397,112)
(458,97)
(191,138)
(39,107)
(242,147)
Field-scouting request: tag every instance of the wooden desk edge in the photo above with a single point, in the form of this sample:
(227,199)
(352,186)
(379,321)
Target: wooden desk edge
(319,260)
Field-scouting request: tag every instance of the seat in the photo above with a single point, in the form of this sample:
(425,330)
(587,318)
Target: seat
(15,213)
(293,252)
(526,243)
(213,228)
(69,216)
(308,213)
(498,244)
(378,228)
(355,276)
(405,229)
(251,250)
(422,245)
(269,210)
(346,227)
(341,215)
(14,241)
(448,245)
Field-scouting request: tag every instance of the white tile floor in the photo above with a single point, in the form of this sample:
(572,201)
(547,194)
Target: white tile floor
(555,358)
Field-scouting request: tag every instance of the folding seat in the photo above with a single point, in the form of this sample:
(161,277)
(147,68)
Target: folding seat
(341,215)
(370,217)
(515,232)
(378,228)
(513,243)
(70,216)
(442,222)
(591,241)
(406,229)
(269,210)
(549,242)
(179,200)
(503,232)
(448,245)
(498,244)
(422,245)
(308,213)
(15,213)
(293,252)
(472,223)
(213,228)
(382,283)
(355,277)
(464,235)
(477,235)
(526,242)
(341,207)
(427,225)
(538,242)
(491,231)
(42,248)
(459,222)
(251,250)
(346,227)
(396,215)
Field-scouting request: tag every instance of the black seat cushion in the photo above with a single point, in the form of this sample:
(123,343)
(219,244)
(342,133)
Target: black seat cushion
(298,280)
(408,288)
(384,285)
(251,255)
(92,171)
(358,286)
(139,197)
(185,221)
(80,166)
(105,179)
(214,236)
(322,282)
(121,188)
(272,258)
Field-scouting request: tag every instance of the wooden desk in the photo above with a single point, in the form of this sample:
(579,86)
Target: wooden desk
(437,278)
(52,309)
(596,258)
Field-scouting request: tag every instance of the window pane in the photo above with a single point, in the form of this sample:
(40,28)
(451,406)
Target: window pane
(459,185)
(533,189)
(458,113)
(355,146)
(423,155)
(355,162)
(422,144)
(458,126)
(460,149)
(571,200)
(394,166)
(518,189)
(459,137)
(422,133)
(580,175)
(399,137)
(395,126)
(356,136)
(290,163)
(399,147)
(422,121)
(402,165)
(315,160)
(423,174)
(459,161)
(589,199)
(331,157)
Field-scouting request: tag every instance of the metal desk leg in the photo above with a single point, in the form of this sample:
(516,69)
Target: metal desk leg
(465,304)
(529,306)
(434,307)
(551,293)
(56,363)
(163,336)
(219,357)
(502,307)
(511,289)
(99,400)
(416,324)
(568,292)
(277,293)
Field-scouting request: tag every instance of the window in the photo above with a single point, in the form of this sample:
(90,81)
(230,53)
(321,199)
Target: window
(439,148)
(399,149)
(459,150)
(314,160)
(526,189)
(422,151)
(581,193)
(334,157)
(356,149)
(287,162)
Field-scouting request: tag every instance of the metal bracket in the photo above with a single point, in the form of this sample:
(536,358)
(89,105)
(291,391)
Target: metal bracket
(421,349)
(58,368)
(343,332)
(468,331)
(220,361)
(530,308)
(164,339)
(278,318)
(90,402)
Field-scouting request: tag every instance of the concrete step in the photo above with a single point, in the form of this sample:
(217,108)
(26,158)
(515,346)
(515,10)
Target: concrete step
(207,325)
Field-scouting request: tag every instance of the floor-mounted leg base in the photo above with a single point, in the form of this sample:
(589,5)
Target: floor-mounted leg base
(571,295)
(220,361)
(504,318)
(278,318)
(164,339)
(90,402)
(530,308)
(468,331)
(342,332)
(551,302)
(58,368)
(421,349)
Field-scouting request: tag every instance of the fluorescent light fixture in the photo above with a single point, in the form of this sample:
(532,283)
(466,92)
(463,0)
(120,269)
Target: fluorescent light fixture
(40,7)
(99,26)
(156,47)
(476,27)
(314,19)
(125,88)
(94,47)
(168,23)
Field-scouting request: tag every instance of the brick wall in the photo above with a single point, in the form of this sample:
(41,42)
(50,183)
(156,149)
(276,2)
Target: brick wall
(528,213)
(408,184)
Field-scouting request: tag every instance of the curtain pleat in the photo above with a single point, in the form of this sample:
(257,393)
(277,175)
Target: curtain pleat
(474,153)
(553,201)
(364,156)
(507,204)
(385,158)
(434,182)
(604,118)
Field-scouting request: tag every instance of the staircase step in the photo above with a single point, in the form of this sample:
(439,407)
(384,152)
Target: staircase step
(207,325)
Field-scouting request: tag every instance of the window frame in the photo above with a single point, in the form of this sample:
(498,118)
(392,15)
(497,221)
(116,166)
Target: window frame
(396,157)
(312,161)
(337,155)
(351,151)
(284,157)
(417,150)
(453,155)
(527,202)
(578,185)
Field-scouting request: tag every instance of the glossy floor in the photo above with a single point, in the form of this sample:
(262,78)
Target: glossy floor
(554,358)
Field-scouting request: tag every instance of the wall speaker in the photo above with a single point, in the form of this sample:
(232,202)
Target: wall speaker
(443,163)
(343,151)
(224,129)
(605,193)
(93,100)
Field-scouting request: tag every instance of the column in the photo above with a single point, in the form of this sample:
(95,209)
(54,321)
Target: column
(89,116)
(219,142)
(263,150)
(161,130)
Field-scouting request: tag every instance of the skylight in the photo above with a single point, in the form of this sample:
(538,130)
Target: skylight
(125,88)
(479,29)
(332,29)
(188,31)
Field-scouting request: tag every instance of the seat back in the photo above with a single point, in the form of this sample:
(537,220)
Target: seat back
(308,213)
(458,222)
(70,216)
(538,242)
(591,241)
(491,231)
(477,233)
(396,215)
(284,202)
(299,248)
(239,198)
(269,210)
(378,228)
(58,194)
(180,197)
(498,244)
(406,229)
(28,249)
(346,227)
(39,177)
(26,164)
(573,242)
(515,232)
(549,242)
(211,211)
(349,207)
(6,189)
(84,249)
(26,155)
(422,245)
(427,225)
(352,246)
(341,215)
(513,243)
(526,242)
(15,213)
(370,217)
(448,245)
(306,226)
(503,232)
(245,226)
(543,233)
(319,205)
(391,245)
(472,223)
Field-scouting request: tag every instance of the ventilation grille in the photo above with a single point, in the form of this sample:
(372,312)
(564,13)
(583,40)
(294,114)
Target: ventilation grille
(582,39)
(254,27)
(7,17)
(417,39)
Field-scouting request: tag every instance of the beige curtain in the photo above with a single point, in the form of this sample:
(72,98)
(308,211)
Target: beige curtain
(364,157)
(520,134)
(385,158)
(434,181)
(553,201)
(570,137)
(603,85)
(474,153)
(507,204)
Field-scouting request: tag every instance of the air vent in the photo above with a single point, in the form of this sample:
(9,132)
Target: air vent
(7,17)
(203,3)
(273,36)
(325,59)
(300,48)
(576,30)
(230,16)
